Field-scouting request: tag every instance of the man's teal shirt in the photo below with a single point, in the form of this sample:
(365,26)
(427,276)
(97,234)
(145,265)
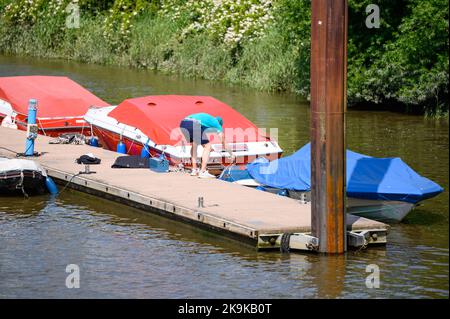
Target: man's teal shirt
(207,120)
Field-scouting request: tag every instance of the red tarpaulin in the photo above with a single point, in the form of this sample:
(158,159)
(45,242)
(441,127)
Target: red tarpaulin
(159,117)
(57,96)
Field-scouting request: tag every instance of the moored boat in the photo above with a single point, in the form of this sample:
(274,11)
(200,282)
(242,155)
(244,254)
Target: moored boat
(62,103)
(383,189)
(152,123)
(20,176)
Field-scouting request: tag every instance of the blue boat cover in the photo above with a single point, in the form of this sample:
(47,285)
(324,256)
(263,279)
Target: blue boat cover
(367,177)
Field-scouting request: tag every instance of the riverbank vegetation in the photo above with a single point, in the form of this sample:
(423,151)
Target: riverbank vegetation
(264,44)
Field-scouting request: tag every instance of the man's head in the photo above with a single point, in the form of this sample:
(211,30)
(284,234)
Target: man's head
(219,119)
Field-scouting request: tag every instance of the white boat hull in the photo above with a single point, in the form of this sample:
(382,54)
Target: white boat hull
(379,210)
(110,132)
(21,176)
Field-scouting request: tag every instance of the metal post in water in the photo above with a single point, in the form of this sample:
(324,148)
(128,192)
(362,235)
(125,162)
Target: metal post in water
(31,127)
(328,106)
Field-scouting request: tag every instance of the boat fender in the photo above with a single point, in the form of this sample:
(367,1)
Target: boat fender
(121,148)
(93,141)
(51,186)
(283,192)
(144,153)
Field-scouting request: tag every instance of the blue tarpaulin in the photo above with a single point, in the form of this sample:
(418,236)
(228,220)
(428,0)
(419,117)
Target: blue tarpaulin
(367,177)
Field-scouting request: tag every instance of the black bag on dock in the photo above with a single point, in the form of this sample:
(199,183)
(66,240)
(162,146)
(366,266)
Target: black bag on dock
(88,160)
(134,161)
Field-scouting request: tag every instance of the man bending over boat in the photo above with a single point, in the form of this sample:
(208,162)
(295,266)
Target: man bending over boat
(193,128)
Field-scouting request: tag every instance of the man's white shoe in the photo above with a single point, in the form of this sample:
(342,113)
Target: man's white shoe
(194,172)
(205,174)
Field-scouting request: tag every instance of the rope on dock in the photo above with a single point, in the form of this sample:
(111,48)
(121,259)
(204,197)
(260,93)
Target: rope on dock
(9,150)
(70,181)
(21,185)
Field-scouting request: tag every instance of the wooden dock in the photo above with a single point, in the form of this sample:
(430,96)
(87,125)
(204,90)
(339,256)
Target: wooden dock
(258,217)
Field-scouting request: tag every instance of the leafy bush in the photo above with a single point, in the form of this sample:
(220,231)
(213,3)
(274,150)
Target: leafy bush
(118,23)
(94,7)
(28,12)
(293,24)
(227,21)
(33,26)
(87,43)
(407,62)
(151,42)
(261,43)
(267,64)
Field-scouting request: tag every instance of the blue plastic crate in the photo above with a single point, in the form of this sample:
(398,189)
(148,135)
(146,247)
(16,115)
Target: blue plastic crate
(159,164)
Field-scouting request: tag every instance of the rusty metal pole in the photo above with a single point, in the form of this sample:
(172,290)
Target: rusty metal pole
(328,106)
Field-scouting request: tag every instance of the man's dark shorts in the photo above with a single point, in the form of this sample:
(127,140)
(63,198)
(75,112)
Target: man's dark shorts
(193,131)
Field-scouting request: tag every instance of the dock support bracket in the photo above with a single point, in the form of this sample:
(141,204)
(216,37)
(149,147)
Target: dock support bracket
(288,241)
(305,242)
(363,238)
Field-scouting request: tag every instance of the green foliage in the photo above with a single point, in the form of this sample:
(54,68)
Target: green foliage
(406,61)
(261,43)
(95,7)
(87,44)
(231,22)
(3,4)
(151,42)
(267,64)
(118,24)
(199,57)
(293,21)
(32,27)
(293,24)
(28,12)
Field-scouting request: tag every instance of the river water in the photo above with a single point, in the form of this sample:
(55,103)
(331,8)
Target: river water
(122,252)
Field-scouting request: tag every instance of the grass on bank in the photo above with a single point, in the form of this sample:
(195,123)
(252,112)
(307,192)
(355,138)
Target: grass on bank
(274,62)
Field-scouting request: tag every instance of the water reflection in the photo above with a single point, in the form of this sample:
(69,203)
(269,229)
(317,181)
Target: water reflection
(136,254)
(20,207)
(328,275)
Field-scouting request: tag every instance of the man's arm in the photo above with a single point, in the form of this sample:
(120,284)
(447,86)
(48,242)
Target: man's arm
(224,144)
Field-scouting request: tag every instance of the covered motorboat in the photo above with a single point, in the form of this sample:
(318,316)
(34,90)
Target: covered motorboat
(62,103)
(384,189)
(20,176)
(152,123)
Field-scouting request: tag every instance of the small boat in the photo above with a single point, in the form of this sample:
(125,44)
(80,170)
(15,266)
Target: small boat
(62,103)
(383,189)
(20,176)
(152,123)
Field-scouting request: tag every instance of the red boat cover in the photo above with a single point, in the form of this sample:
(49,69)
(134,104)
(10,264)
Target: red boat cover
(159,117)
(57,96)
